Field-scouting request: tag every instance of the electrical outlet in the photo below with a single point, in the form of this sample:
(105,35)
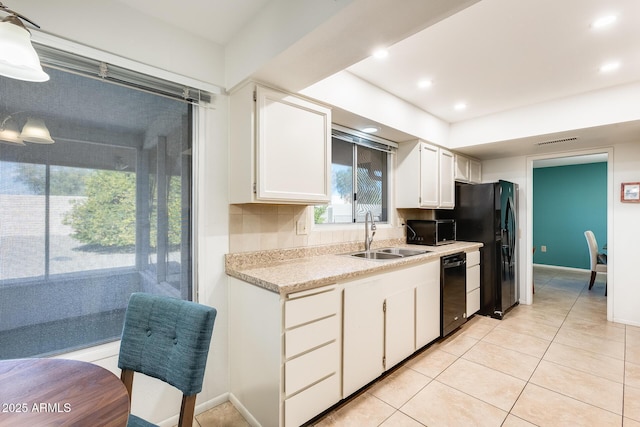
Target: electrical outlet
(543,248)
(301,227)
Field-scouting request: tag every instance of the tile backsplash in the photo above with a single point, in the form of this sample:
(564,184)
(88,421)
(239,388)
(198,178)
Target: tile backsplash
(256,227)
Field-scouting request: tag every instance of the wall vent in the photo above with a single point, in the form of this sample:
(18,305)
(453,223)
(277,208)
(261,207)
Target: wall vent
(556,141)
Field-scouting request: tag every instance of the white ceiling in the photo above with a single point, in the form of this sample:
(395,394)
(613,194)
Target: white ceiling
(494,55)
(214,20)
(501,54)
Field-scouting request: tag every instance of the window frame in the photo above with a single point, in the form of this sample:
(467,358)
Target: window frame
(196,134)
(361,139)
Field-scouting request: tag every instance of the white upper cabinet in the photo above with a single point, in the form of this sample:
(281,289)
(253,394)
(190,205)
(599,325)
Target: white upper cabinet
(467,169)
(280,148)
(447,181)
(461,168)
(475,171)
(425,176)
(429,178)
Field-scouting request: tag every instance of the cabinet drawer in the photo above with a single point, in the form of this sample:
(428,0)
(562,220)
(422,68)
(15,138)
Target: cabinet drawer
(305,405)
(473,278)
(311,367)
(306,337)
(309,308)
(473,302)
(473,258)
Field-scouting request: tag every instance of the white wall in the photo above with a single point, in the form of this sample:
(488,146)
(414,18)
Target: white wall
(603,107)
(624,238)
(212,239)
(117,28)
(272,32)
(353,94)
(624,255)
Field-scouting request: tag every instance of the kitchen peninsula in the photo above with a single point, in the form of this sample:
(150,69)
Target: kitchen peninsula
(311,326)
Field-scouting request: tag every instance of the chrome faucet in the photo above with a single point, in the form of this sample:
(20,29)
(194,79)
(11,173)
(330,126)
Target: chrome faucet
(368,238)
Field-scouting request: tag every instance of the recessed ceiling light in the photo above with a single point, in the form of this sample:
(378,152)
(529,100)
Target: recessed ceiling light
(460,106)
(370,129)
(424,83)
(380,53)
(609,67)
(604,21)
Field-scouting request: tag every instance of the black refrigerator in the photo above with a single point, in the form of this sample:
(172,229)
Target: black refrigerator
(487,213)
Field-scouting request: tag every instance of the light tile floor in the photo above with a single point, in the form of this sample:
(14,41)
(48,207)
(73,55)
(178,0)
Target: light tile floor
(557,362)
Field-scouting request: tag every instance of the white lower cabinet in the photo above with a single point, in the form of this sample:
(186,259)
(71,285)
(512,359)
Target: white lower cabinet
(386,318)
(305,405)
(473,282)
(399,326)
(363,332)
(428,306)
(313,346)
(292,357)
(285,352)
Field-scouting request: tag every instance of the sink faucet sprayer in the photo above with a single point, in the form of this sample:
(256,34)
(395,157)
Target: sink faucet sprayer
(368,239)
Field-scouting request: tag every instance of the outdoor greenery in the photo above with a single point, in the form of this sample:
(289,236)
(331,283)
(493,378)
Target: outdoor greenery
(64,181)
(104,213)
(318,214)
(343,184)
(106,216)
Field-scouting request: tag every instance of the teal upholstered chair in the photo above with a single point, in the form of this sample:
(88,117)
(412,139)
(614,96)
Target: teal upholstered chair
(168,339)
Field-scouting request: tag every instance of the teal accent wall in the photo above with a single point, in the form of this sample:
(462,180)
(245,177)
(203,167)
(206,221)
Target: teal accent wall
(567,200)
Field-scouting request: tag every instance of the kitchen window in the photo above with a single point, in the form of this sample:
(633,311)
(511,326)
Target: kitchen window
(103,211)
(359,177)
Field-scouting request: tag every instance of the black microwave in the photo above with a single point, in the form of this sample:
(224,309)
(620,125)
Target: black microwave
(431,232)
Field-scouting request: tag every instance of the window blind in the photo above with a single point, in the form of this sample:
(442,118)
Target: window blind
(363,139)
(88,67)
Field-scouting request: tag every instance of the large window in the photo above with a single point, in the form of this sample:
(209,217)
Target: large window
(359,180)
(102,212)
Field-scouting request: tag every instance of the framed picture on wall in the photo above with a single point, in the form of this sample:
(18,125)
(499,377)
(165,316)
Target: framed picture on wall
(630,192)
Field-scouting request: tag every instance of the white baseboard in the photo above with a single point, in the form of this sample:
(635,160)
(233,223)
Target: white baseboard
(243,411)
(211,403)
(200,408)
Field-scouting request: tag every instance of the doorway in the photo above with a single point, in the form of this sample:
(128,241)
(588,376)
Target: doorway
(570,193)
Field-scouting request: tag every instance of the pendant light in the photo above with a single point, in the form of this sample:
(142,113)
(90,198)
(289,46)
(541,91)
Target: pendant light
(18,58)
(35,131)
(9,132)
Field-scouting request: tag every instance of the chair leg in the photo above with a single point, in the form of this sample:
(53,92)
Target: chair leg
(593,279)
(187,411)
(126,376)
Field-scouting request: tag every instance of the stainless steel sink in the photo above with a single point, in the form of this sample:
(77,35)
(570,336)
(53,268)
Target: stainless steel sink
(387,253)
(402,251)
(375,255)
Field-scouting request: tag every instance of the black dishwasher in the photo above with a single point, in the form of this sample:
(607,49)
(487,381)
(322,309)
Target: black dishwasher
(453,292)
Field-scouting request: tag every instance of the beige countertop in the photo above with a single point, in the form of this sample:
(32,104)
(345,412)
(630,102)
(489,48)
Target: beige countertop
(287,271)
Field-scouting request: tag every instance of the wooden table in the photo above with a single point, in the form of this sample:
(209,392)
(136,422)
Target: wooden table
(60,392)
